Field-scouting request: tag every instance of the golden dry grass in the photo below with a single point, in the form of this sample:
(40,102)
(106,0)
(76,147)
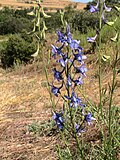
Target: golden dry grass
(24,99)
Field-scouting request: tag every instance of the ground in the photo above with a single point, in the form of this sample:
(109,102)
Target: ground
(24,100)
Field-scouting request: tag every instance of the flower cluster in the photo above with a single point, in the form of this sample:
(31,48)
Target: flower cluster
(69,74)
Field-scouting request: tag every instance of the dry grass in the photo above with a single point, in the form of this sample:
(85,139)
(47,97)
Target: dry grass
(24,99)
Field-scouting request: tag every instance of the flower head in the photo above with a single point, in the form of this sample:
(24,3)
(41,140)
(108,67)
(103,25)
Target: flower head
(68,34)
(79,57)
(61,38)
(65,38)
(74,44)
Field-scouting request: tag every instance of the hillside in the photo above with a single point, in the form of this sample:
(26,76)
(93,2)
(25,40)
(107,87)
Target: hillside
(50,4)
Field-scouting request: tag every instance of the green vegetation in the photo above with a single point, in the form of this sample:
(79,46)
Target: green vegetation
(17,21)
(18,49)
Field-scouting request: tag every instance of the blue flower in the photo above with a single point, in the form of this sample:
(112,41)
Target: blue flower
(61,37)
(88,118)
(79,129)
(58,120)
(57,74)
(107,9)
(55,90)
(79,57)
(56,50)
(92,39)
(75,44)
(94,8)
(64,38)
(81,69)
(78,81)
(63,60)
(74,100)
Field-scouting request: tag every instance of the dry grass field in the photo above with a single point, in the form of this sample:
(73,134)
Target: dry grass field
(24,99)
(50,4)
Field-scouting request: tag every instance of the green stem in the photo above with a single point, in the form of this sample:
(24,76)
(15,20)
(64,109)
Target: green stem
(46,74)
(75,135)
(111,95)
(99,57)
(66,143)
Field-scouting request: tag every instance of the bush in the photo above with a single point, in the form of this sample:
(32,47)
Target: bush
(12,21)
(17,50)
(84,21)
(13,25)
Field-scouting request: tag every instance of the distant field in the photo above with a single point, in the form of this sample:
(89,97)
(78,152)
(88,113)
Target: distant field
(50,4)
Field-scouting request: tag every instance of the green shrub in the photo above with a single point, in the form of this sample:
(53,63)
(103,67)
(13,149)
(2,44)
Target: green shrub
(12,21)
(17,50)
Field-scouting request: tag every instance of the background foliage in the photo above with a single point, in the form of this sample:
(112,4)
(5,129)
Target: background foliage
(18,23)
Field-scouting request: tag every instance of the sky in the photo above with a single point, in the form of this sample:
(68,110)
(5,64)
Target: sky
(83,1)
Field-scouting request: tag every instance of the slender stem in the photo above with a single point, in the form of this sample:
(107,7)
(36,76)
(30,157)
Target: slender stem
(75,135)
(99,56)
(111,94)
(46,74)
(66,143)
